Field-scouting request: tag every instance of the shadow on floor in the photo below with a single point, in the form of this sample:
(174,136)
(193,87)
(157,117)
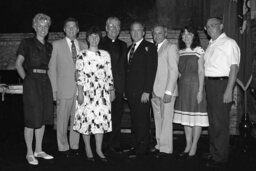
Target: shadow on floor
(12,156)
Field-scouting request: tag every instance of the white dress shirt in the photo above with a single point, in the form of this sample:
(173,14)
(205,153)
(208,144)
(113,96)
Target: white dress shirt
(70,44)
(220,55)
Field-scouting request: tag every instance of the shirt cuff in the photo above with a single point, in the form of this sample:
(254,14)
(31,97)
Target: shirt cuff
(168,93)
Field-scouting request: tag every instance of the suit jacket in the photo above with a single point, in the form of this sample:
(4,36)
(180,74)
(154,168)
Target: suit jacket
(117,51)
(167,70)
(62,69)
(142,70)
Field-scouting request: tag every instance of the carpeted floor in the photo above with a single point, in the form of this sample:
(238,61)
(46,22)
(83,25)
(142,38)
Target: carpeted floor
(12,156)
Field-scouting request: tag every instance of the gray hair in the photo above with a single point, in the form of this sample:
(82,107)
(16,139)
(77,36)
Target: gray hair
(113,18)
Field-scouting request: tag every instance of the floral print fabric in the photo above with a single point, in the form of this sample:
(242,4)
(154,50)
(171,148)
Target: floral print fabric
(95,75)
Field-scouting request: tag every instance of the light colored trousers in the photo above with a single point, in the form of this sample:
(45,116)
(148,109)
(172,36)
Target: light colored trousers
(65,113)
(163,116)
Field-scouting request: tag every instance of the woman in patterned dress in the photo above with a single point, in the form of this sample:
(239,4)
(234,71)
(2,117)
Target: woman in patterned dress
(32,65)
(190,107)
(95,93)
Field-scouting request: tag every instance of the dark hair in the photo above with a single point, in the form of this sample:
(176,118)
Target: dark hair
(195,41)
(71,19)
(93,30)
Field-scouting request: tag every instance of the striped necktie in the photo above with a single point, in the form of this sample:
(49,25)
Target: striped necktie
(131,52)
(73,49)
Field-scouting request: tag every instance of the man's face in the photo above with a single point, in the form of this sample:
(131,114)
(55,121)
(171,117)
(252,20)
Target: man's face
(159,34)
(214,28)
(71,30)
(113,28)
(137,32)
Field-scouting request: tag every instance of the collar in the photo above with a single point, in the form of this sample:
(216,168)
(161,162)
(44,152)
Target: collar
(160,44)
(69,40)
(138,42)
(220,37)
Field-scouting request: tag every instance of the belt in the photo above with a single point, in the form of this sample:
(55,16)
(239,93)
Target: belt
(217,78)
(40,71)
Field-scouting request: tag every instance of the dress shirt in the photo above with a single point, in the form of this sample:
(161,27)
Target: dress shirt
(160,44)
(220,55)
(70,44)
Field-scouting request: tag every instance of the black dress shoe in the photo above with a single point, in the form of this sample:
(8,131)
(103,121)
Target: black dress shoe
(162,155)
(90,159)
(153,150)
(102,159)
(74,152)
(215,164)
(193,157)
(207,156)
(66,153)
(183,154)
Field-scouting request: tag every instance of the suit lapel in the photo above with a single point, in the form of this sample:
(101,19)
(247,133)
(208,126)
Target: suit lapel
(162,47)
(139,48)
(67,50)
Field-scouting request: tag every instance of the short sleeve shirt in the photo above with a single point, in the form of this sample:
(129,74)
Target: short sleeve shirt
(220,55)
(36,54)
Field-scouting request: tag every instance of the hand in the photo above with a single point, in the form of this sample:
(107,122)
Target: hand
(167,98)
(58,102)
(227,97)
(112,95)
(199,96)
(80,98)
(145,97)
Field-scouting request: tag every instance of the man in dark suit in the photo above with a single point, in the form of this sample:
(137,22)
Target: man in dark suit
(117,50)
(141,71)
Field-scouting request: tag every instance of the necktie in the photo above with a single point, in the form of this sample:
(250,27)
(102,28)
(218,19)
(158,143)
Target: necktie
(131,52)
(73,49)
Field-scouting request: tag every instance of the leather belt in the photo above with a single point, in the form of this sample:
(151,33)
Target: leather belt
(40,71)
(217,78)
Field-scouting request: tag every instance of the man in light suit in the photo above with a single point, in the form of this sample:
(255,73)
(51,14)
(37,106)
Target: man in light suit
(141,70)
(62,76)
(164,90)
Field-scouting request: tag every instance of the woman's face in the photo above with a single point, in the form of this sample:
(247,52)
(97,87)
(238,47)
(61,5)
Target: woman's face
(93,40)
(41,28)
(187,38)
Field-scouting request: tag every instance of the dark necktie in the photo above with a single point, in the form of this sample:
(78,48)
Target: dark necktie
(131,52)
(73,49)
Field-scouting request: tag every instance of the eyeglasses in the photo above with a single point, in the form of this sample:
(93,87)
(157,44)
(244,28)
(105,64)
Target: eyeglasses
(212,25)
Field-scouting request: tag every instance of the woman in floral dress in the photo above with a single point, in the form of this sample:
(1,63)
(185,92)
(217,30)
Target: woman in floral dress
(95,93)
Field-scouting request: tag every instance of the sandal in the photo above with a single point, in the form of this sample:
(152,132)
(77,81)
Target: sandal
(43,155)
(32,160)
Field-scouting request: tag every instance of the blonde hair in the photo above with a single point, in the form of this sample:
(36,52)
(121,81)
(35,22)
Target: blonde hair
(41,17)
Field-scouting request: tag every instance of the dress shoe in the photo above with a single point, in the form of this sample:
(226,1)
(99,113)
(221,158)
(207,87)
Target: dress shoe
(183,154)
(215,164)
(132,154)
(207,156)
(90,159)
(153,150)
(162,155)
(43,155)
(74,152)
(191,157)
(32,160)
(128,150)
(66,153)
(102,159)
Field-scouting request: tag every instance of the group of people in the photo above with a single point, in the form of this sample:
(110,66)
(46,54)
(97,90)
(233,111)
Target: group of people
(183,83)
